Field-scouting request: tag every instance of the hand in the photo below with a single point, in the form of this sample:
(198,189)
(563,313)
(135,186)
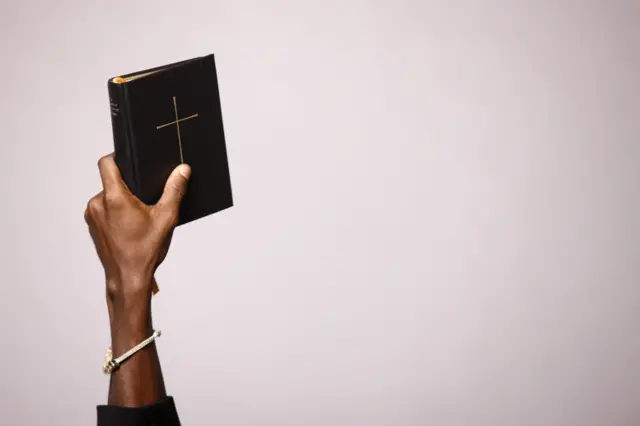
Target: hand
(131,238)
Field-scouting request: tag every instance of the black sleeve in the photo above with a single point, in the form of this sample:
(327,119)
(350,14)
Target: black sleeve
(162,413)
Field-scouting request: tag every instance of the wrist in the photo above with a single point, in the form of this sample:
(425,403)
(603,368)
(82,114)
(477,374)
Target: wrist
(129,305)
(128,332)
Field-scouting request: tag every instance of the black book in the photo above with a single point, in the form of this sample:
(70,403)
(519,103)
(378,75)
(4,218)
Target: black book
(166,116)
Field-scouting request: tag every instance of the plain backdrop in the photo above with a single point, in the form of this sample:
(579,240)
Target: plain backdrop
(436,221)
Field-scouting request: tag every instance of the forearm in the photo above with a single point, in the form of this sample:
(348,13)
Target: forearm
(139,380)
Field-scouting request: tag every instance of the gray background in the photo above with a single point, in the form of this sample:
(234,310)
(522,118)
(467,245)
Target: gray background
(436,221)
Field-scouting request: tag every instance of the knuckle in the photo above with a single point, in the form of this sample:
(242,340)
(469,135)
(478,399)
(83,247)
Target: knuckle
(94,206)
(114,199)
(102,160)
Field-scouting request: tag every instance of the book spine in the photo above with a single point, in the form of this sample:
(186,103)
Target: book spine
(122,141)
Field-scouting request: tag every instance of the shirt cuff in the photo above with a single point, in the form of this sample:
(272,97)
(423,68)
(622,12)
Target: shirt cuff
(161,413)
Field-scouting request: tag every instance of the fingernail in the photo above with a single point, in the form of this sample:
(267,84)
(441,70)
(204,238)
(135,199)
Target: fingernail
(185,171)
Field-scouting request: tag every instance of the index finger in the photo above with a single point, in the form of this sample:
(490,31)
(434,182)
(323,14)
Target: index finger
(110,174)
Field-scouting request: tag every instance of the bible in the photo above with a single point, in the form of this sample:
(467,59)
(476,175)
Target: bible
(165,116)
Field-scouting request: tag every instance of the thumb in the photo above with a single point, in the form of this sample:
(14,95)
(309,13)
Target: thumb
(175,188)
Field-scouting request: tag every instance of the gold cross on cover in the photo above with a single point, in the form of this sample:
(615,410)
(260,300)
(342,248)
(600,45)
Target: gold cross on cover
(177,123)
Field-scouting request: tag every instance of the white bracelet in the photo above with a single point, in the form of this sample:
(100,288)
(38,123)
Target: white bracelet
(111,365)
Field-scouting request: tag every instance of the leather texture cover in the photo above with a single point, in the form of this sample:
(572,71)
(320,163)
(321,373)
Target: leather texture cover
(164,118)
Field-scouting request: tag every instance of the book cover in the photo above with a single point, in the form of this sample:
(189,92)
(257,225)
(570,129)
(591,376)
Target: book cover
(165,116)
